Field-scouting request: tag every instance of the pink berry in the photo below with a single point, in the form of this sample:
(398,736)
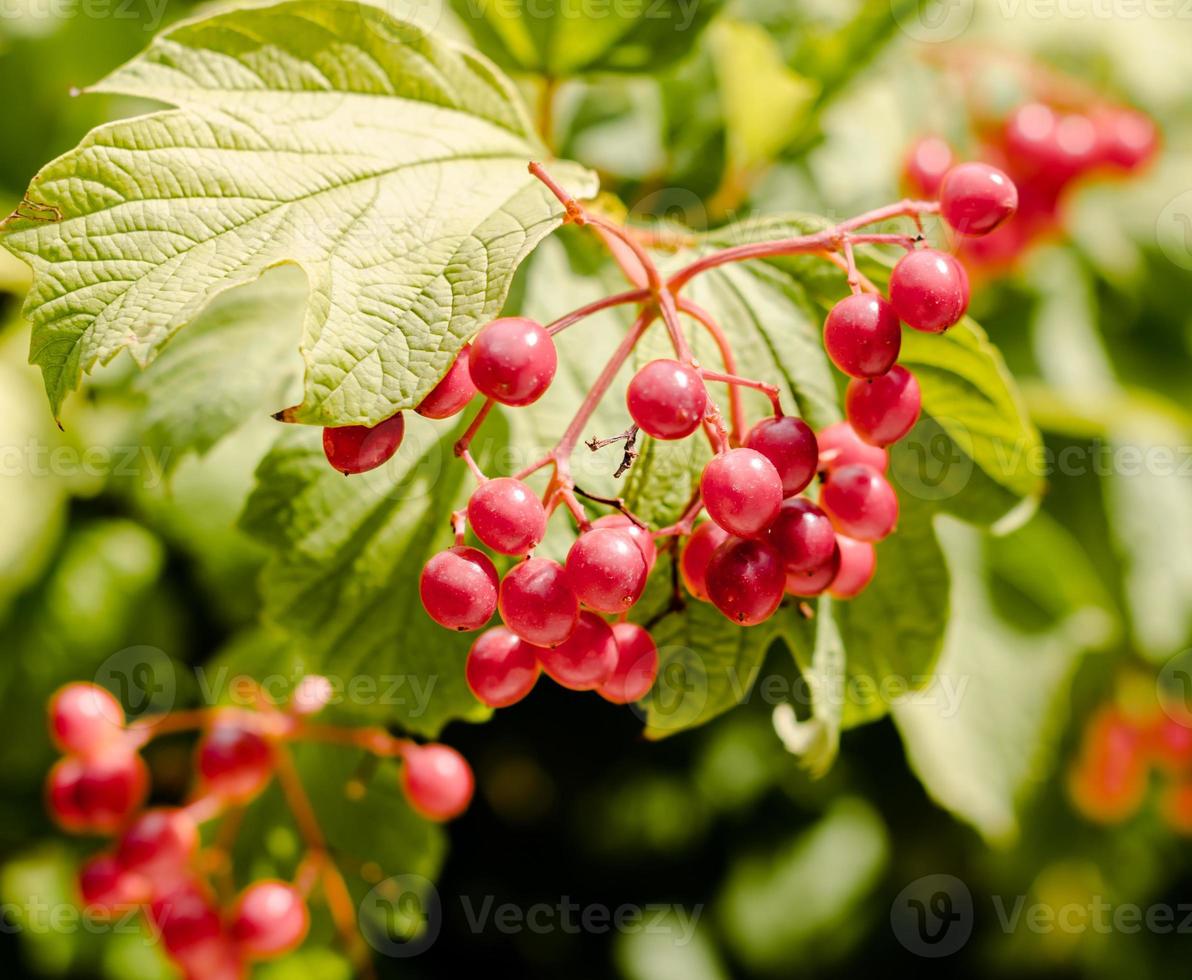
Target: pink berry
(1030,138)
(606,570)
(975,198)
(437,781)
(790,445)
(839,445)
(188,922)
(803,536)
(742,491)
(513,360)
(636,668)
(501,668)
(458,588)
(929,290)
(883,410)
(693,563)
(860,503)
(159,845)
(98,793)
(862,335)
(537,603)
(268,919)
(360,448)
(234,763)
(926,163)
(586,659)
(641,536)
(312,694)
(858,561)
(506,516)
(746,580)
(667,399)
(1127,138)
(807,584)
(85,719)
(453,392)
(105,887)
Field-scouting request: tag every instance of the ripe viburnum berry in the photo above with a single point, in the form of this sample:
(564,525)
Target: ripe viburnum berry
(106,888)
(804,538)
(697,552)
(586,659)
(453,392)
(667,399)
(860,503)
(641,536)
(159,845)
(883,410)
(815,581)
(606,570)
(862,335)
(790,445)
(360,448)
(501,668)
(269,918)
(636,668)
(1126,138)
(858,561)
(97,793)
(839,445)
(234,762)
(437,780)
(975,198)
(537,603)
(188,922)
(85,719)
(929,290)
(1109,782)
(926,163)
(742,491)
(513,360)
(746,580)
(458,588)
(506,516)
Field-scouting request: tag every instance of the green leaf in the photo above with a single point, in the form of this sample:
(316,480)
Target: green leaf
(343,577)
(983,735)
(558,38)
(815,741)
(387,164)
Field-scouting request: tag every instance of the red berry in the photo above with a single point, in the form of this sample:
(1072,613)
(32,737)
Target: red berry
(667,399)
(1169,743)
(742,491)
(641,536)
(858,561)
(268,919)
(586,659)
(360,448)
(746,580)
(159,845)
(883,410)
(803,536)
(312,694)
(860,503)
(814,582)
(636,668)
(506,516)
(501,668)
(85,719)
(1127,138)
(790,445)
(975,198)
(453,392)
(235,763)
(1176,806)
(458,588)
(105,887)
(99,793)
(606,570)
(437,781)
(929,290)
(189,925)
(693,563)
(926,163)
(862,335)
(839,445)
(513,360)
(1030,138)
(1109,782)
(537,603)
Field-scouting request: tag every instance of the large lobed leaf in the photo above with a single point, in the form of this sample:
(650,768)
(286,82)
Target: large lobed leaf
(388,164)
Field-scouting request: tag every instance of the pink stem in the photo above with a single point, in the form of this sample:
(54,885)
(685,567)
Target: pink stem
(767,389)
(620,299)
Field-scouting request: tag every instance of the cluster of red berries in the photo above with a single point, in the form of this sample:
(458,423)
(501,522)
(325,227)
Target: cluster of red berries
(1044,148)
(1120,750)
(100,787)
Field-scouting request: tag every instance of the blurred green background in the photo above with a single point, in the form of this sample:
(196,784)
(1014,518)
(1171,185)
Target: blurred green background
(109,543)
